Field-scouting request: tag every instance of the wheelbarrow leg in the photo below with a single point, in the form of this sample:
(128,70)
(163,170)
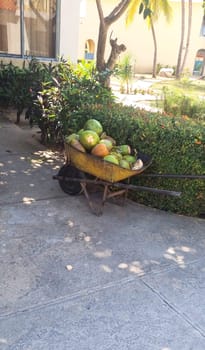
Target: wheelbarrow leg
(105,194)
(122,194)
(109,194)
(97,210)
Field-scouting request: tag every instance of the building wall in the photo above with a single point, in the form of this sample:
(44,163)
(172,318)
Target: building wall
(69,29)
(68,33)
(138,38)
(77,27)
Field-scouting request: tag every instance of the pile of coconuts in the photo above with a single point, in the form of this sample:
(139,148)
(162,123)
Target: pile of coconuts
(92,139)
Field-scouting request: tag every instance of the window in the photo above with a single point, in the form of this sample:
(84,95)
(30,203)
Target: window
(28,28)
(9,28)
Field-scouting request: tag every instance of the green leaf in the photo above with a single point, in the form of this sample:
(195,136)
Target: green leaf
(147,12)
(141,8)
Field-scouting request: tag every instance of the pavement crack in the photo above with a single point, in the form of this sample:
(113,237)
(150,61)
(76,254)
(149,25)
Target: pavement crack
(174,309)
(69,298)
(34,200)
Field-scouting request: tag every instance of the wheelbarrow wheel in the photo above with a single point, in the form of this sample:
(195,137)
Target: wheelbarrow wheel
(68,186)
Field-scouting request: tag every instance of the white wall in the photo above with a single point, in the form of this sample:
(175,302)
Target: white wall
(138,38)
(69,29)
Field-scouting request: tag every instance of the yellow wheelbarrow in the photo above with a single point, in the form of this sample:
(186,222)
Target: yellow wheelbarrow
(82,171)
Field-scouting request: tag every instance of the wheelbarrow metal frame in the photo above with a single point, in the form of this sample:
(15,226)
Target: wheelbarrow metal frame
(105,174)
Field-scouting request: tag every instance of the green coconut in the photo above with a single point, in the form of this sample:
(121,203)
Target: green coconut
(94,125)
(80,131)
(124,164)
(77,145)
(111,159)
(129,158)
(71,137)
(107,143)
(104,136)
(123,149)
(89,139)
(117,155)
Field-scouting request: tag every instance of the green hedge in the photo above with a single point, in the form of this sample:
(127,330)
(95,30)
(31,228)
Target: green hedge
(65,97)
(177,146)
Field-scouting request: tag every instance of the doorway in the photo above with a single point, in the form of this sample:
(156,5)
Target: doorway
(199,63)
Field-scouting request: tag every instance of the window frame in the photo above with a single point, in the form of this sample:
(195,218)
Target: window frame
(22,55)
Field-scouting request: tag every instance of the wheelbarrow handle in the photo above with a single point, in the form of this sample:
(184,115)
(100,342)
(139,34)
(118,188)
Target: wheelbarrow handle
(175,176)
(121,185)
(149,189)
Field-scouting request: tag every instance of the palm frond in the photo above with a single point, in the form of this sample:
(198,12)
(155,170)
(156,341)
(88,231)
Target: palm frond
(161,6)
(132,10)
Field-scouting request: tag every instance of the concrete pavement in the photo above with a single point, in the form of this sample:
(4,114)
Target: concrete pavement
(133,278)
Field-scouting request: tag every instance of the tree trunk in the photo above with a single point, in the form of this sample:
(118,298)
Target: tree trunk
(188,36)
(102,38)
(115,52)
(178,68)
(154,67)
(111,62)
(105,23)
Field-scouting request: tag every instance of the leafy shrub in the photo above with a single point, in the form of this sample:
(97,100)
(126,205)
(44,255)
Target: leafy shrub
(124,72)
(70,89)
(50,92)
(178,104)
(13,86)
(19,86)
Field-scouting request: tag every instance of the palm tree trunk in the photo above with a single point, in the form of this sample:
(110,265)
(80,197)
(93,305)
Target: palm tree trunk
(178,68)
(154,67)
(188,35)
